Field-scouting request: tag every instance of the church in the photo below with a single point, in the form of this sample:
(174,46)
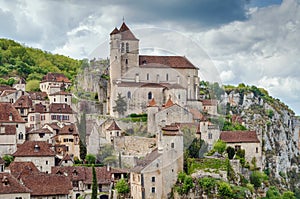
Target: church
(138,79)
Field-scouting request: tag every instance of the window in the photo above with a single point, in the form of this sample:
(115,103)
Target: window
(149,96)
(172,145)
(129,95)
(54,99)
(21,137)
(256,149)
(127,47)
(167,77)
(153,190)
(31,118)
(178,96)
(209,135)
(237,147)
(17,126)
(66,99)
(147,76)
(122,47)
(46,162)
(53,117)
(22,111)
(153,179)
(65,140)
(126,61)
(89,186)
(75,183)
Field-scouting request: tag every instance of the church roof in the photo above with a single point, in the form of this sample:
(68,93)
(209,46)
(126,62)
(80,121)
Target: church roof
(178,62)
(115,31)
(113,127)
(126,33)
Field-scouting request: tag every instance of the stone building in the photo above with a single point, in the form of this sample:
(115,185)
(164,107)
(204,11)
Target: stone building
(155,175)
(246,140)
(54,82)
(139,78)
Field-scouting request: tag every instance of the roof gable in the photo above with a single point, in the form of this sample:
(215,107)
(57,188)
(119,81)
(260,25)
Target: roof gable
(8,113)
(10,185)
(113,127)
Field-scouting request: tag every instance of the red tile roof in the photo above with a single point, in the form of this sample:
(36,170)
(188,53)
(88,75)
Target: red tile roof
(7,110)
(152,103)
(113,127)
(168,103)
(239,136)
(171,130)
(41,130)
(38,95)
(13,185)
(42,184)
(34,149)
(178,62)
(60,108)
(68,130)
(38,108)
(6,87)
(19,169)
(55,77)
(67,157)
(23,102)
(209,102)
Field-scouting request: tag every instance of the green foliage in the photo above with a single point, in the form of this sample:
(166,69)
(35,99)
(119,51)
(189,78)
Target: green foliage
(219,146)
(231,152)
(106,155)
(208,164)
(121,105)
(229,126)
(136,117)
(194,148)
(122,187)
(185,183)
(288,195)
(224,190)
(208,184)
(90,159)
(16,59)
(270,113)
(256,178)
(8,159)
(273,193)
(230,172)
(94,184)
(33,85)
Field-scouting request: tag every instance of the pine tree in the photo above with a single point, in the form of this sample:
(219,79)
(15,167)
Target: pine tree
(121,105)
(94,184)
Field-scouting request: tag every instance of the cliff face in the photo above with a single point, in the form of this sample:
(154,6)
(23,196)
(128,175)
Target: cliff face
(278,131)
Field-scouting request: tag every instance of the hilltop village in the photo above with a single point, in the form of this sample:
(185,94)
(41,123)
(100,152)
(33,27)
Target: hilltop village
(153,113)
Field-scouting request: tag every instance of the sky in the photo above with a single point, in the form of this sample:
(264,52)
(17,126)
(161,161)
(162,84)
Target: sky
(251,41)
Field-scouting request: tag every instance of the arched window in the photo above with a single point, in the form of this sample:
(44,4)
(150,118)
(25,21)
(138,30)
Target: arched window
(149,95)
(129,95)
(167,77)
(147,76)
(126,61)
(122,47)
(127,47)
(21,136)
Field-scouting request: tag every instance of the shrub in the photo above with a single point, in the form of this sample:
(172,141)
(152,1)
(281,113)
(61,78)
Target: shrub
(207,183)
(220,146)
(122,186)
(225,190)
(231,152)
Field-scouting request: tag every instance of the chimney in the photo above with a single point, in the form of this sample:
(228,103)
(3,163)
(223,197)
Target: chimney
(137,77)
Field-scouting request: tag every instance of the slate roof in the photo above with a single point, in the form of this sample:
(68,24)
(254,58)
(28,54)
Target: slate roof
(7,109)
(13,185)
(27,149)
(55,77)
(60,108)
(178,62)
(239,137)
(113,127)
(23,102)
(147,160)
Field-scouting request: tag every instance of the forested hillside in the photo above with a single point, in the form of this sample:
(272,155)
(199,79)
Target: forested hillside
(17,60)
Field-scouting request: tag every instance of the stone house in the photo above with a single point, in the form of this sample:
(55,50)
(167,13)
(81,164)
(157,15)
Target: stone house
(11,96)
(42,134)
(67,160)
(155,175)
(139,78)
(246,140)
(210,132)
(66,141)
(23,105)
(61,97)
(168,114)
(113,131)
(54,82)
(38,97)
(37,152)
(12,129)
(11,188)
(210,106)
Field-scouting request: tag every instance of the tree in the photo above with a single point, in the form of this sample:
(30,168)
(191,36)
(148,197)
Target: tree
(33,85)
(94,184)
(90,159)
(256,179)
(272,193)
(122,187)
(8,159)
(220,146)
(224,190)
(288,195)
(231,152)
(121,105)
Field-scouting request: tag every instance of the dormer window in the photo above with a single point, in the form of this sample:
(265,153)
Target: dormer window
(10,116)
(36,148)
(5,181)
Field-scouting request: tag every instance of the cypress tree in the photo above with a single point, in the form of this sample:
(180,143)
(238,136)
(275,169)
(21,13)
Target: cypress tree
(94,184)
